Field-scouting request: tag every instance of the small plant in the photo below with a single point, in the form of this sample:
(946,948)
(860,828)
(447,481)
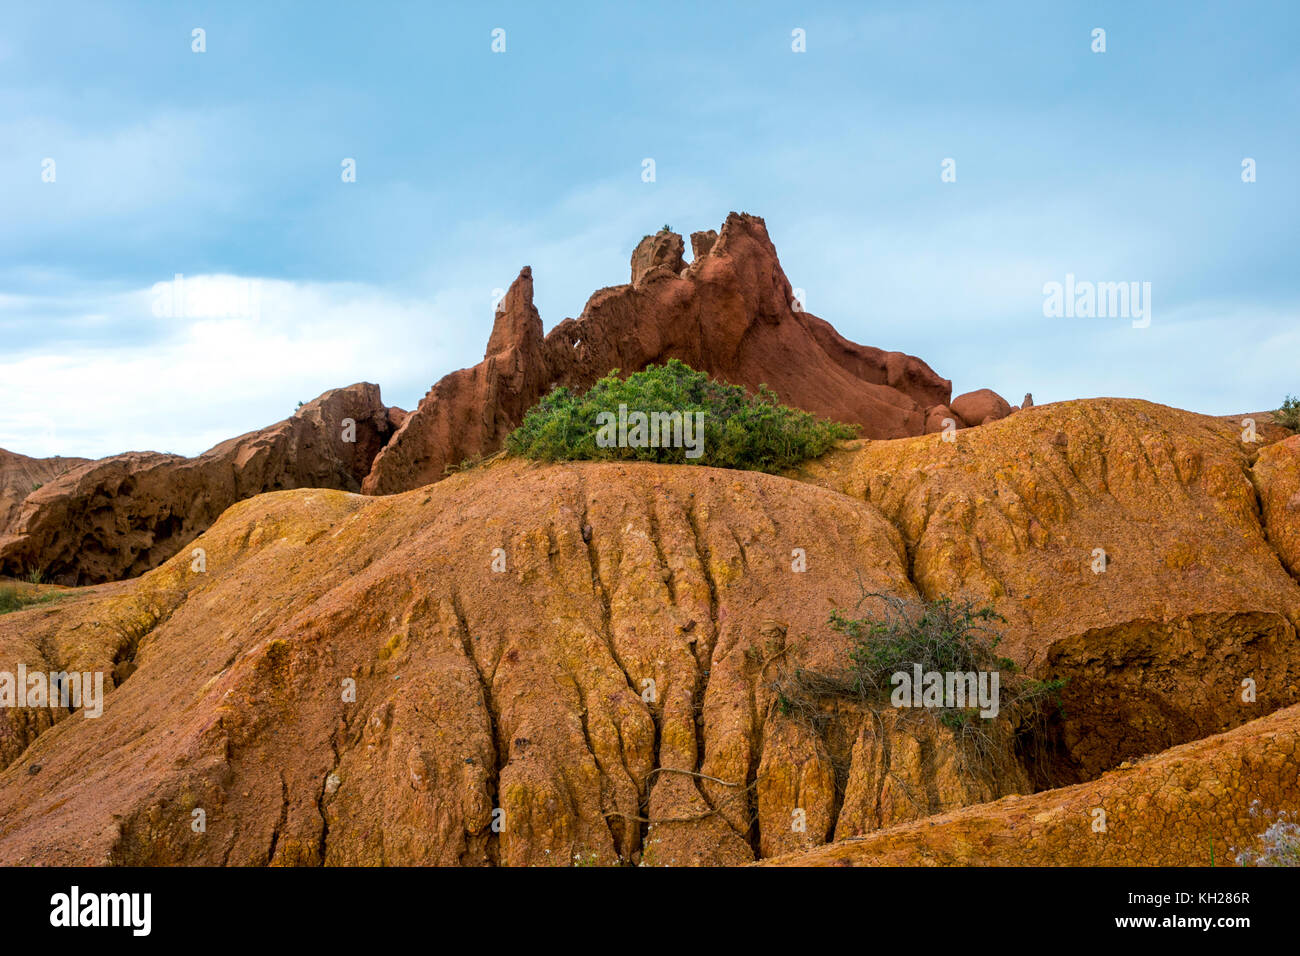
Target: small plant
(299,405)
(36,485)
(740,430)
(957,720)
(35,576)
(15,598)
(666,228)
(940,636)
(11,599)
(1278,845)
(1288,416)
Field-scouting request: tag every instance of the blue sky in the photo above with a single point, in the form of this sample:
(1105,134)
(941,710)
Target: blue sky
(1115,166)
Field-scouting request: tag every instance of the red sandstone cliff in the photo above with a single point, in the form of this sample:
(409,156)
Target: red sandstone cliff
(730,313)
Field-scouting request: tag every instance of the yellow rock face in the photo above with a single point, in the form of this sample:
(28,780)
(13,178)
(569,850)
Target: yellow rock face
(1123,542)
(1277,474)
(529,665)
(1193,805)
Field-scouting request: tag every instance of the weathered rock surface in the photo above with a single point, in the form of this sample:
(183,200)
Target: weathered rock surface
(120,516)
(980,407)
(702,242)
(608,689)
(1264,425)
(730,313)
(1026,513)
(20,476)
(907,768)
(1277,474)
(939,417)
(1199,804)
(661,251)
(527,689)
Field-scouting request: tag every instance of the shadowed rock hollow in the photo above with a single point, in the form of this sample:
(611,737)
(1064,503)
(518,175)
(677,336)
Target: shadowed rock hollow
(608,691)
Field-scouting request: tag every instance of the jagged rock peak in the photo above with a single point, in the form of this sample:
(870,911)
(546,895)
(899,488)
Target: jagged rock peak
(702,243)
(517,322)
(663,249)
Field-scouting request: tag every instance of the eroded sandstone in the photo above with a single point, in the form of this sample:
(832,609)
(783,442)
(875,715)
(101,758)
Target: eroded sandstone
(1123,543)
(120,516)
(350,681)
(730,313)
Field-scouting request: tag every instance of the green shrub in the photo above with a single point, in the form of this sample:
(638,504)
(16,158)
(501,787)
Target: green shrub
(938,636)
(1288,416)
(752,432)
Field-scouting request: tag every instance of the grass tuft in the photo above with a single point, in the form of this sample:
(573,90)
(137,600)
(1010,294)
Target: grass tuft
(16,598)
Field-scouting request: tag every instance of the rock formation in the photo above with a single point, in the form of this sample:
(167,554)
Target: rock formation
(980,407)
(1103,531)
(730,313)
(661,251)
(1277,476)
(120,516)
(20,476)
(585,652)
(1200,804)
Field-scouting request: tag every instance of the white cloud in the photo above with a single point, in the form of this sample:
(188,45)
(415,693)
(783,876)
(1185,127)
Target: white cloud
(199,380)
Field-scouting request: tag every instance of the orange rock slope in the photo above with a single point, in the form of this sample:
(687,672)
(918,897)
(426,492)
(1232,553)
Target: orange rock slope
(546,665)
(1200,804)
(1026,514)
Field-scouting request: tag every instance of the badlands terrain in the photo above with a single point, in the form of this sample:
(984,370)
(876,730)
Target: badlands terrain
(408,649)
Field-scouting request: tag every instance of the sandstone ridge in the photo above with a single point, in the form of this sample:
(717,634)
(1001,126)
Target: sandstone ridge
(121,516)
(731,313)
(359,680)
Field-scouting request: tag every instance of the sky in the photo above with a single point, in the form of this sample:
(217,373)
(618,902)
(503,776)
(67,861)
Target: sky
(127,158)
